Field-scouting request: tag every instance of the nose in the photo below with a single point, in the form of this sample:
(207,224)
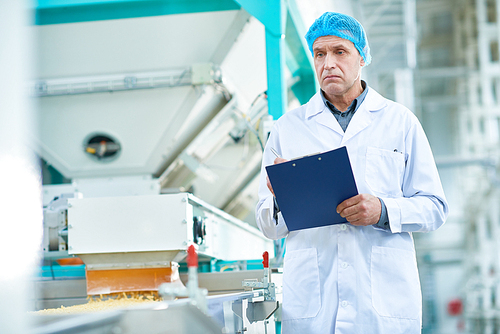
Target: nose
(330,61)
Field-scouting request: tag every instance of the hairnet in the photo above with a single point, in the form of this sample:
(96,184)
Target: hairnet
(343,26)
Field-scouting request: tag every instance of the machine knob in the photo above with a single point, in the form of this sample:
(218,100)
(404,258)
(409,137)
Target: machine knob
(265,256)
(199,230)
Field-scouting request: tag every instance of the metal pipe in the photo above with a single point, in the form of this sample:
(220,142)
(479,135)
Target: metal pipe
(488,163)
(216,105)
(249,178)
(461,162)
(111,83)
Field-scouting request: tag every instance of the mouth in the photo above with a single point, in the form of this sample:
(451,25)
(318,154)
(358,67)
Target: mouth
(331,78)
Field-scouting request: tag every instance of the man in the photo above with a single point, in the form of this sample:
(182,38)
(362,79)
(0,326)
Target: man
(359,277)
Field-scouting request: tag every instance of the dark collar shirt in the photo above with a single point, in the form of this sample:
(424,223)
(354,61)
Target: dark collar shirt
(345,117)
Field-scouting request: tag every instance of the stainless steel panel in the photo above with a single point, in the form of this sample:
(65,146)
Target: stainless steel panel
(228,281)
(60,289)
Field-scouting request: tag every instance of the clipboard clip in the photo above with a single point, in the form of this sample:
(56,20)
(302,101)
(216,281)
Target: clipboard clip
(308,155)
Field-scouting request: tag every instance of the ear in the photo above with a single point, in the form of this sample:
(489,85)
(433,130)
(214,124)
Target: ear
(362,62)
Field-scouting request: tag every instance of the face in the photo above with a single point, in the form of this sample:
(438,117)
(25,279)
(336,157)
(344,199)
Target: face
(338,66)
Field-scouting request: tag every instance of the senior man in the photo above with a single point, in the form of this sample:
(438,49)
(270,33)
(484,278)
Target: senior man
(359,277)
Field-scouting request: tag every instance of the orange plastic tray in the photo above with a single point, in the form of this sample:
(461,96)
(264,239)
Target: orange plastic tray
(128,280)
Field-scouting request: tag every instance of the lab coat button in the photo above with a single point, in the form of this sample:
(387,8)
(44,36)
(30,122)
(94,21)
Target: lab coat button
(344,265)
(344,303)
(343,227)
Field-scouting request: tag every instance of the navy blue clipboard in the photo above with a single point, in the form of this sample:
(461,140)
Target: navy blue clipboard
(309,189)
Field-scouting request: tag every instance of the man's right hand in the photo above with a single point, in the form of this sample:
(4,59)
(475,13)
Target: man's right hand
(276,161)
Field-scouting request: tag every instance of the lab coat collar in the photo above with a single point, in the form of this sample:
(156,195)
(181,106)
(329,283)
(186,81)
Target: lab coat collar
(316,108)
(374,101)
(362,118)
(365,114)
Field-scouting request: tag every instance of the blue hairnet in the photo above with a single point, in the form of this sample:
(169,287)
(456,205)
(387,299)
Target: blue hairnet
(343,26)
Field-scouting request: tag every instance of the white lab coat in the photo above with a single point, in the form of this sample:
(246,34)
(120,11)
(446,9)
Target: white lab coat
(344,278)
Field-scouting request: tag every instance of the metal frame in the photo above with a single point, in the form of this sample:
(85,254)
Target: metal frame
(285,45)
(70,11)
(479,134)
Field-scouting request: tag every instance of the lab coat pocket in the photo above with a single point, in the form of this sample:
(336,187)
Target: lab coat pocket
(301,286)
(395,284)
(384,171)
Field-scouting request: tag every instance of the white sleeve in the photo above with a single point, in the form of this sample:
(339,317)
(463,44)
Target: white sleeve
(264,212)
(423,206)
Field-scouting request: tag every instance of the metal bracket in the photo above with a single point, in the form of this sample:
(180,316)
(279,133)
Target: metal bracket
(259,311)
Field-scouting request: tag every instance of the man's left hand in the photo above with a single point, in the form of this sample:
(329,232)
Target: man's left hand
(361,210)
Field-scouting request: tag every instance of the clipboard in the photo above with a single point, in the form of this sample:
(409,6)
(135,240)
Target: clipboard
(309,189)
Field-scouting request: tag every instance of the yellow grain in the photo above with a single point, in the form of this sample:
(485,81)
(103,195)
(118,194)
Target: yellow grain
(106,303)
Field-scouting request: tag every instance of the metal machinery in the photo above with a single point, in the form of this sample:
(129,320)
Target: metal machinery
(143,104)
(135,243)
(127,243)
(198,313)
(479,38)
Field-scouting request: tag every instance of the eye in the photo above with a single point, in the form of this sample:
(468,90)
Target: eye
(319,54)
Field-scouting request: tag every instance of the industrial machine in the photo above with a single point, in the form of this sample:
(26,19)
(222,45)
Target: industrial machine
(150,145)
(196,313)
(134,243)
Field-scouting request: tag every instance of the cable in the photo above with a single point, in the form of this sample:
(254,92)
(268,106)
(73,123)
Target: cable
(255,133)
(257,97)
(221,88)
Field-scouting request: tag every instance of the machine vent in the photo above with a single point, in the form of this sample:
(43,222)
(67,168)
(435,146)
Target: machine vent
(102,147)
